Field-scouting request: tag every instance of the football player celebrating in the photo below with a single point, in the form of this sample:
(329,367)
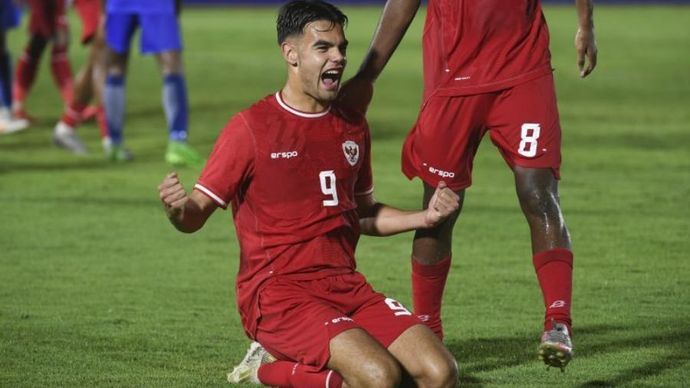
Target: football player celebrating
(296,170)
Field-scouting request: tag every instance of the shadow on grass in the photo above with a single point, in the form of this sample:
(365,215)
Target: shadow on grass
(50,166)
(479,355)
(93,162)
(676,341)
(487,354)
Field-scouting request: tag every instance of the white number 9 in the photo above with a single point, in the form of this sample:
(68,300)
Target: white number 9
(328,187)
(397,307)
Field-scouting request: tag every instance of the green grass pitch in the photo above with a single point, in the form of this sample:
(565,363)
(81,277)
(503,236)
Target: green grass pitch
(96,288)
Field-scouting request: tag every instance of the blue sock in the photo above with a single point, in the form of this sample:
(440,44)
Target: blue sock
(114,104)
(5,79)
(175,106)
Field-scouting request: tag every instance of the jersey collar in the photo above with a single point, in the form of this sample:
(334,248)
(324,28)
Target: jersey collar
(296,112)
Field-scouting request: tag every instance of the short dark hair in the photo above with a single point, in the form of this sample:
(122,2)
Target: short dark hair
(296,14)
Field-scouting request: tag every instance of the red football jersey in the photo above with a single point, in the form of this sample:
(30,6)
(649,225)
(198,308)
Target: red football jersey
(291,178)
(473,47)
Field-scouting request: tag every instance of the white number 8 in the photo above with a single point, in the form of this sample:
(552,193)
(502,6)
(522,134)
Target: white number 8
(529,134)
(328,187)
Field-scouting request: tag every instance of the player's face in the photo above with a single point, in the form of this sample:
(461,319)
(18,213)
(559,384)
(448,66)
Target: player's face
(321,59)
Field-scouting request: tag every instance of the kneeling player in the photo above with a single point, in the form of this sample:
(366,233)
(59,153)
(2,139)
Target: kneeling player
(296,170)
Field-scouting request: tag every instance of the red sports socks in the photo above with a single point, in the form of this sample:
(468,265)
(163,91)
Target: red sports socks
(428,282)
(28,67)
(555,273)
(100,119)
(25,76)
(291,374)
(73,114)
(62,73)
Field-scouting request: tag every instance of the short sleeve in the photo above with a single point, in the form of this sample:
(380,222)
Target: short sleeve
(231,163)
(365,181)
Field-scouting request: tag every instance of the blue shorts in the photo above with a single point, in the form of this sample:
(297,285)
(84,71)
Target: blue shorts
(160,32)
(9,15)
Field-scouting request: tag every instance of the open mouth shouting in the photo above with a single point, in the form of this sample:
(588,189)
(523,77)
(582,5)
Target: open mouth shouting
(331,79)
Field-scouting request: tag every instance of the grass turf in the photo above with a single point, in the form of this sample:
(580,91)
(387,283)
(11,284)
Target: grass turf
(98,289)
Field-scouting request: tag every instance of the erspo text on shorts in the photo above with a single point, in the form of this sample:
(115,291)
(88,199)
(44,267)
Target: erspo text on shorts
(441,173)
(284,155)
(339,320)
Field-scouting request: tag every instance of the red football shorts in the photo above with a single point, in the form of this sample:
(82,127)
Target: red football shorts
(47,16)
(522,122)
(90,14)
(299,318)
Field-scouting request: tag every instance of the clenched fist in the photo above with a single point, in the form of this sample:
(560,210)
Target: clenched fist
(172,194)
(443,203)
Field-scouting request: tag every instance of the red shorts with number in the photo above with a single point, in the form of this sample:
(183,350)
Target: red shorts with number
(47,16)
(300,317)
(90,14)
(522,122)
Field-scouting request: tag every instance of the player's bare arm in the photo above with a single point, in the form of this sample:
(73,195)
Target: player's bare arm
(187,212)
(395,19)
(585,44)
(378,219)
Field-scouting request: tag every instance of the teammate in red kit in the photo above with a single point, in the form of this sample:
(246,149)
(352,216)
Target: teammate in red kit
(47,24)
(486,68)
(295,169)
(88,84)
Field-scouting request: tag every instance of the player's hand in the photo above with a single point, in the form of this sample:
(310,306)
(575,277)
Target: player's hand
(586,50)
(356,94)
(443,203)
(172,194)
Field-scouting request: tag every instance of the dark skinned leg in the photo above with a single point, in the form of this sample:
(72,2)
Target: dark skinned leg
(431,252)
(432,245)
(27,69)
(537,191)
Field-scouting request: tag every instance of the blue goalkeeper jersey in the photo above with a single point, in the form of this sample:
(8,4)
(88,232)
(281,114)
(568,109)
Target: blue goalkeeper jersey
(140,6)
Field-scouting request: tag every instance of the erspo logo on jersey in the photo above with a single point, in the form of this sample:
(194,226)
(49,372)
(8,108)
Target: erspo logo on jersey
(284,155)
(441,173)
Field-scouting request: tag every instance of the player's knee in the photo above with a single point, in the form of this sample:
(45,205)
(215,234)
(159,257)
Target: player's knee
(536,201)
(36,46)
(387,373)
(431,249)
(440,373)
(115,63)
(61,39)
(379,373)
(171,62)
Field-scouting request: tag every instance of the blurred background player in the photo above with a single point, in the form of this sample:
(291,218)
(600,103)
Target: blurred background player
(487,67)
(88,83)
(47,25)
(9,18)
(161,36)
